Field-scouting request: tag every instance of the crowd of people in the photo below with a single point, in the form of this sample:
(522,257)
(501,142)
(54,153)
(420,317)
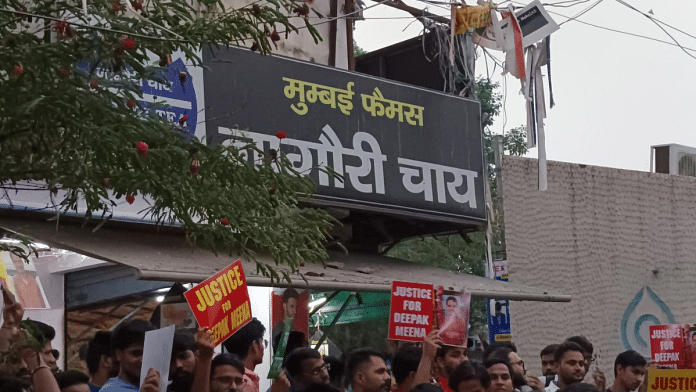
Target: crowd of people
(114,360)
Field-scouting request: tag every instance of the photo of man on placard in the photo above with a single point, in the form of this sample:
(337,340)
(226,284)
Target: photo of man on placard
(453,317)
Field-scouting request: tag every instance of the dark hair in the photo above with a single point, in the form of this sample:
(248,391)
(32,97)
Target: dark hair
(70,378)
(494,346)
(241,341)
(451,298)
(548,350)
(183,340)
(494,360)
(321,388)
(290,293)
(336,370)
(469,371)
(13,384)
(406,360)
(226,359)
(629,358)
(444,349)
(426,387)
(296,339)
(579,387)
(83,352)
(503,352)
(585,344)
(128,333)
(47,332)
(97,347)
(293,361)
(356,359)
(565,347)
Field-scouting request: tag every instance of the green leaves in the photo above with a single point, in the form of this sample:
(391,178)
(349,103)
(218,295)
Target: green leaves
(72,130)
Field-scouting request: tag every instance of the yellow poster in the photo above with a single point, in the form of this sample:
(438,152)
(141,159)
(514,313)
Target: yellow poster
(664,380)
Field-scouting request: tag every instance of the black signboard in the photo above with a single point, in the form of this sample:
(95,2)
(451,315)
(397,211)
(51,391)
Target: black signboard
(401,150)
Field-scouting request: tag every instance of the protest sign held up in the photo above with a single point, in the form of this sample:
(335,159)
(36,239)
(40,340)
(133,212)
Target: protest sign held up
(411,312)
(221,302)
(669,346)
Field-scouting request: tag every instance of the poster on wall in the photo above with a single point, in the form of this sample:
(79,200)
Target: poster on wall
(673,346)
(21,279)
(452,309)
(290,304)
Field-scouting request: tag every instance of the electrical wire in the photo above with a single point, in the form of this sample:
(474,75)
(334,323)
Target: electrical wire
(579,14)
(656,24)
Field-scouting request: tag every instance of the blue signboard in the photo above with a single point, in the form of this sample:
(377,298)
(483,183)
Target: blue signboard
(499,310)
(175,100)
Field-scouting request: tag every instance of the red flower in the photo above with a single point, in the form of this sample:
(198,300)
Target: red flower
(130,199)
(195,167)
(225,222)
(137,5)
(275,37)
(63,29)
(116,6)
(183,120)
(106,182)
(18,69)
(128,44)
(281,134)
(142,149)
(130,104)
(182,77)
(94,84)
(64,73)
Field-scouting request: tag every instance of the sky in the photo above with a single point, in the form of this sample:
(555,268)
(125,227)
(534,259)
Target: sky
(616,95)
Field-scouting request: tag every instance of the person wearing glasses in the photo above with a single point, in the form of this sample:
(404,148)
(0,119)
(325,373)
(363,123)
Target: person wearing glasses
(305,366)
(521,381)
(248,344)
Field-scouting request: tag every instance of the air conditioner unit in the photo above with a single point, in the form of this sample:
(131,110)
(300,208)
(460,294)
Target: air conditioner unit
(673,159)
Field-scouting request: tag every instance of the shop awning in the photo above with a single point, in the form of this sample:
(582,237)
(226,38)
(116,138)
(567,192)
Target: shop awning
(163,255)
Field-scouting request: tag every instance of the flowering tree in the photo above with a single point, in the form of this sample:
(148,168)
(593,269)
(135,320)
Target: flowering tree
(65,130)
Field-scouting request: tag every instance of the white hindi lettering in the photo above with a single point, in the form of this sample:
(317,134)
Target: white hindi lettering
(417,176)
(328,144)
(411,169)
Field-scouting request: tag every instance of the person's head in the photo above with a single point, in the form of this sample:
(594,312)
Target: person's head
(570,363)
(226,373)
(48,333)
(290,297)
(248,343)
(367,371)
(451,304)
(494,346)
(587,349)
(127,344)
(321,388)
(306,366)
(12,384)
(99,355)
(336,369)
(500,372)
(516,363)
(629,370)
(183,361)
(547,361)
(72,381)
(469,377)
(405,364)
(579,387)
(449,357)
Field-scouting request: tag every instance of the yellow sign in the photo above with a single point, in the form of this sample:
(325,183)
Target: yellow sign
(663,380)
(503,337)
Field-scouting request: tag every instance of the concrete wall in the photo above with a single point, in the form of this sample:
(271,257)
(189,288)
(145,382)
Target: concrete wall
(300,44)
(622,243)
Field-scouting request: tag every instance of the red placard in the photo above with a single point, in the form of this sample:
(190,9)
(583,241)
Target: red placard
(411,311)
(668,346)
(221,302)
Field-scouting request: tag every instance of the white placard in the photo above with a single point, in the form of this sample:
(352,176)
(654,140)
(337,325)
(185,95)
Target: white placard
(157,354)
